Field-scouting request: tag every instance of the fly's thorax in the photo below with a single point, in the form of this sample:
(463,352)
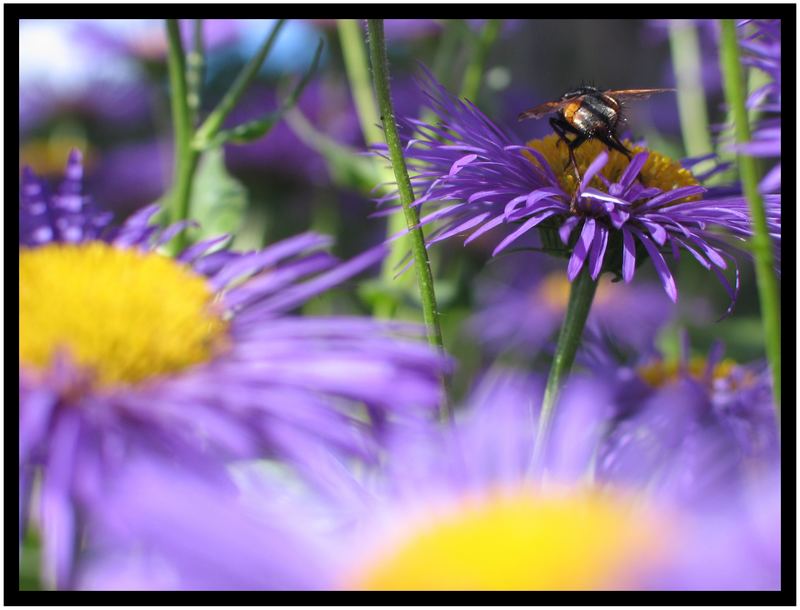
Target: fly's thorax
(596,114)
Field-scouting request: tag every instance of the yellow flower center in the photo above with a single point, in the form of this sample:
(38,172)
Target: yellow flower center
(554,289)
(658,171)
(660,373)
(582,541)
(47,155)
(122,314)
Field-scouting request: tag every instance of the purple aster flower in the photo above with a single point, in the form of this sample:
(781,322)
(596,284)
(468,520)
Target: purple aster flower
(511,288)
(59,74)
(761,47)
(452,508)
(160,529)
(462,499)
(196,359)
(478,178)
(691,426)
(145,39)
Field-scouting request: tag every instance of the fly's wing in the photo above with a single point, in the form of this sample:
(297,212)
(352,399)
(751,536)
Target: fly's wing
(625,95)
(541,110)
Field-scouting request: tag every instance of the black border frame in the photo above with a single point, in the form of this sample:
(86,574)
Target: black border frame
(787,596)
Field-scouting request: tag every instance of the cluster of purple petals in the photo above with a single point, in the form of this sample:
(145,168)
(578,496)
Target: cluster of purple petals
(730,542)
(198,535)
(510,288)
(146,39)
(64,216)
(694,439)
(284,384)
(117,103)
(478,179)
(762,50)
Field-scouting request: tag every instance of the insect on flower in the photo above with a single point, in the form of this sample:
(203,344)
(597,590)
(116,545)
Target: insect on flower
(588,112)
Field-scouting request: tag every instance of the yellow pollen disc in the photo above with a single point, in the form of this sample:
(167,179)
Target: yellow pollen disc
(658,171)
(47,156)
(581,541)
(554,291)
(660,373)
(122,314)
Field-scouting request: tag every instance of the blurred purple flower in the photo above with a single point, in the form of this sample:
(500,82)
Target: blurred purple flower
(161,528)
(195,359)
(689,428)
(761,47)
(146,39)
(59,75)
(328,106)
(131,174)
(453,507)
(520,307)
(479,178)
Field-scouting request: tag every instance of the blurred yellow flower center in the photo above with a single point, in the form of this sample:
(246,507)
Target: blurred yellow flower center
(660,373)
(582,541)
(123,314)
(47,155)
(658,171)
(554,289)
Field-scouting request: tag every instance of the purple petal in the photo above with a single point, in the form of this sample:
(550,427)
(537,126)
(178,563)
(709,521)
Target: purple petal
(464,226)
(565,230)
(598,251)
(527,226)
(486,227)
(581,249)
(594,167)
(198,249)
(291,297)
(251,263)
(633,169)
(460,163)
(660,264)
(628,255)
(673,195)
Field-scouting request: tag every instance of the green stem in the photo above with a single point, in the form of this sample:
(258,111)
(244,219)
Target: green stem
(448,52)
(581,296)
(195,68)
(213,122)
(761,244)
(356,64)
(185,158)
(471,84)
(686,63)
(380,75)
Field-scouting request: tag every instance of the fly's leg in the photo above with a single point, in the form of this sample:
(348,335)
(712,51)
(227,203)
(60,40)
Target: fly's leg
(612,141)
(562,127)
(572,146)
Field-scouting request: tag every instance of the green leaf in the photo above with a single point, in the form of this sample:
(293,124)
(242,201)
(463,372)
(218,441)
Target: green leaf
(219,200)
(258,128)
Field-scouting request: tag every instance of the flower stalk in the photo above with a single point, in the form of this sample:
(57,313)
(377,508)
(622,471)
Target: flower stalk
(761,244)
(380,77)
(581,296)
(357,66)
(185,157)
(686,61)
(473,74)
(185,79)
(195,71)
